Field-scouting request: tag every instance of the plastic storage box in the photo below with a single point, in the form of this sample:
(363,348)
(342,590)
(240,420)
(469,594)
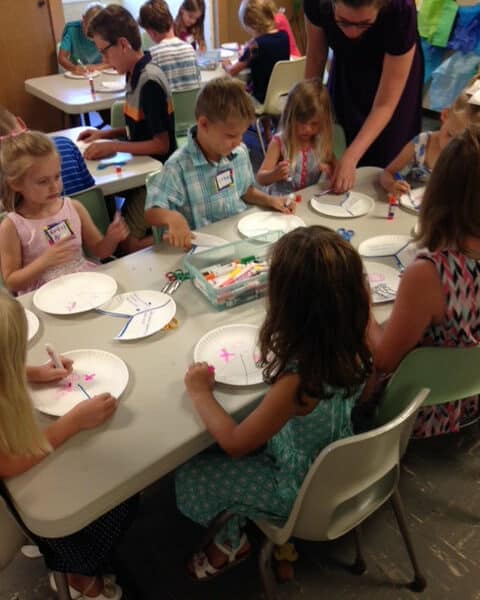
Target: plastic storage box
(238,292)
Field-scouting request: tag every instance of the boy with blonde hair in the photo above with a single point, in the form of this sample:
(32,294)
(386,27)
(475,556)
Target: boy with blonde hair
(211,177)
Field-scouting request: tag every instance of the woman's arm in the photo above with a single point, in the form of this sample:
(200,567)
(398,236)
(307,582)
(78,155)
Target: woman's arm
(317,50)
(394,76)
(420,302)
(276,408)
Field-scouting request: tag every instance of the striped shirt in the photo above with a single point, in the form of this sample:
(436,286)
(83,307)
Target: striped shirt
(202,191)
(75,175)
(178,61)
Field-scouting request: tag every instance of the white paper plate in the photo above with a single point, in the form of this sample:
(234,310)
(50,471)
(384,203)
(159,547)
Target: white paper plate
(96,371)
(146,311)
(204,241)
(110,86)
(226,53)
(356,205)
(75,293)
(259,223)
(384,281)
(401,247)
(232,46)
(71,75)
(33,324)
(413,200)
(474,88)
(233,351)
(110,72)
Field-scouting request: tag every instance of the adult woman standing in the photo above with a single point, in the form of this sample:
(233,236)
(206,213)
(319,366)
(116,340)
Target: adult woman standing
(376,77)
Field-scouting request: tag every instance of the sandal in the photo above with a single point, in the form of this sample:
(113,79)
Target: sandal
(203,570)
(111,591)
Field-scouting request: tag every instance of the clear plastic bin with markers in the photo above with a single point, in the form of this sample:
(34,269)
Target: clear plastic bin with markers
(234,273)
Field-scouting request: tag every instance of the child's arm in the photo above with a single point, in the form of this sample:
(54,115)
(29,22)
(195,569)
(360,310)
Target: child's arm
(276,408)
(273,168)
(48,372)
(420,302)
(235,69)
(15,276)
(87,414)
(98,245)
(387,177)
(159,144)
(281,203)
(178,234)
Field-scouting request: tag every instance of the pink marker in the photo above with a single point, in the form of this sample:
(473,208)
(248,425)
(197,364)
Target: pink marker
(211,369)
(54,357)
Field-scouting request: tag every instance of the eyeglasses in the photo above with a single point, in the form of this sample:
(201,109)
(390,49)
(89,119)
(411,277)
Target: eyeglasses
(103,51)
(344,24)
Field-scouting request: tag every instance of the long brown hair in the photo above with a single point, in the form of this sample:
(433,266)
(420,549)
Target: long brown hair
(197,29)
(317,314)
(450,209)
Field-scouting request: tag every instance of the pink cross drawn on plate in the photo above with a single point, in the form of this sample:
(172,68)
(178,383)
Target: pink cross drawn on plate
(226,356)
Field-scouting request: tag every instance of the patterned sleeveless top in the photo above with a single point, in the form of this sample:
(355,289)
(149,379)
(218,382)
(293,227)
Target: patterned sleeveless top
(418,170)
(35,241)
(306,170)
(460,279)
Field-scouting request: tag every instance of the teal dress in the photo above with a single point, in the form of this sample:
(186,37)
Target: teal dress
(263,485)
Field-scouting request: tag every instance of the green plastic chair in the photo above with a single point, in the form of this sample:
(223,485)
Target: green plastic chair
(184,106)
(339,141)
(117,117)
(157,231)
(94,201)
(449,373)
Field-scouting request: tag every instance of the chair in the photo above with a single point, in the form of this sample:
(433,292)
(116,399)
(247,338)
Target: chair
(339,141)
(93,200)
(285,74)
(350,479)
(147,41)
(184,106)
(117,117)
(157,231)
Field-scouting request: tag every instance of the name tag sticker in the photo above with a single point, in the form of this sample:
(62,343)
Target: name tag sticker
(58,232)
(224,180)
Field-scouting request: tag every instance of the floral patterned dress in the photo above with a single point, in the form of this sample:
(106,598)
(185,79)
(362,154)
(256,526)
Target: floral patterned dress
(418,170)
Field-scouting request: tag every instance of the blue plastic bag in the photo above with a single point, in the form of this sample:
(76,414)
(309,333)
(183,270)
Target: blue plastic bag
(450,79)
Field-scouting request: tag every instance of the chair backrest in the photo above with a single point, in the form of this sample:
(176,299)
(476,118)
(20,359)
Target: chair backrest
(147,41)
(93,200)
(117,116)
(449,373)
(184,106)
(11,538)
(285,74)
(349,480)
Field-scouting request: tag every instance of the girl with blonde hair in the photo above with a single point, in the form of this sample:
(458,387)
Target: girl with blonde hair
(84,554)
(303,147)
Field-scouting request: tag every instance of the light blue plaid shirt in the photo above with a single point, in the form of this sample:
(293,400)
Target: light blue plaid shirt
(189,183)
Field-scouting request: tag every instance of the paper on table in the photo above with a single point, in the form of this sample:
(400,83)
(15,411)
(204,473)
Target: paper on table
(116,159)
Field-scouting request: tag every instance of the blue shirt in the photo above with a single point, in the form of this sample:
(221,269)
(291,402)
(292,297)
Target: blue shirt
(202,191)
(78,46)
(75,175)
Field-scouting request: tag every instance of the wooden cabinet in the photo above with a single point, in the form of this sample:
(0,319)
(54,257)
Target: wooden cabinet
(28,49)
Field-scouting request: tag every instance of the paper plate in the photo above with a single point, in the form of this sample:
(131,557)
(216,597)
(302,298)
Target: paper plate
(33,324)
(71,75)
(473,89)
(413,200)
(384,281)
(204,241)
(232,46)
(401,247)
(110,72)
(233,351)
(340,206)
(146,311)
(94,372)
(259,223)
(75,293)
(110,86)
(226,53)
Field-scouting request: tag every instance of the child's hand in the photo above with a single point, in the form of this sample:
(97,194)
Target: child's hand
(199,378)
(48,373)
(327,169)
(79,70)
(99,150)
(399,187)
(283,204)
(179,234)
(282,171)
(93,412)
(226,64)
(60,253)
(90,135)
(118,229)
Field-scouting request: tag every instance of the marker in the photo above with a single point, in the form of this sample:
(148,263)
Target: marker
(54,357)
(392,202)
(211,369)
(289,200)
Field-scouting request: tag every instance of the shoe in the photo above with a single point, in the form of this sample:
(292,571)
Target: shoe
(111,591)
(203,570)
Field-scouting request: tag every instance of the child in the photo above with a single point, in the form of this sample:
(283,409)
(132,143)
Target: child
(437,303)
(282,24)
(42,235)
(23,445)
(210,178)
(189,23)
(315,355)
(75,175)
(77,53)
(419,156)
(148,110)
(176,58)
(268,46)
(303,148)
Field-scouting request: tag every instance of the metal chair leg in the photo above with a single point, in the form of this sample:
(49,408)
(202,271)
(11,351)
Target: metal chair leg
(62,585)
(419,583)
(359,567)
(266,573)
(260,135)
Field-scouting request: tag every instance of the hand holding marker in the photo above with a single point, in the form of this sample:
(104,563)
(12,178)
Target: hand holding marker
(54,357)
